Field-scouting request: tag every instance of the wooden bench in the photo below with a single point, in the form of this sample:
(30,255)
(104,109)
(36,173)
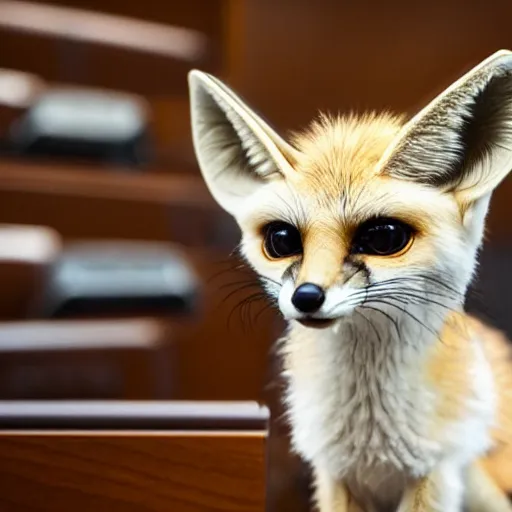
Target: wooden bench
(162,456)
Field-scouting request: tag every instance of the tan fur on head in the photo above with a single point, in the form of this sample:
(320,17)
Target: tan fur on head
(342,150)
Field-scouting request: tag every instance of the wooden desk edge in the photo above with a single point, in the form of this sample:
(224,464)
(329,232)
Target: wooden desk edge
(132,415)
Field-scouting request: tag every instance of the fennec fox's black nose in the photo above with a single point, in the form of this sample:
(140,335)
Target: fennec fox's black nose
(308,298)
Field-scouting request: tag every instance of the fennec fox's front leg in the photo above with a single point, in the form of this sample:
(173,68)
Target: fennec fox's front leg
(330,495)
(333,496)
(441,491)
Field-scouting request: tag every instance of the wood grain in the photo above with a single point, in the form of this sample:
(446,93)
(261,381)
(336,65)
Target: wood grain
(132,472)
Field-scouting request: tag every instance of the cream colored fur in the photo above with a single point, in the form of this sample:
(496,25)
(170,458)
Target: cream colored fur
(401,403)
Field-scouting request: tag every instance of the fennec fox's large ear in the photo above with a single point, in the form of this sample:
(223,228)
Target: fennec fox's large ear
(462,141)
(236,150)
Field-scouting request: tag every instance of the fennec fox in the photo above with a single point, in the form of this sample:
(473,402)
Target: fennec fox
(365,231)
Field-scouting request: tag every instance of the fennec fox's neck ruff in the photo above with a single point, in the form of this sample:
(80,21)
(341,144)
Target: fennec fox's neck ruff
(365,231)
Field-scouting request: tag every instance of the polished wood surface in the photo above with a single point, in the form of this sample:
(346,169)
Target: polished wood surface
(132,471)
(299,57)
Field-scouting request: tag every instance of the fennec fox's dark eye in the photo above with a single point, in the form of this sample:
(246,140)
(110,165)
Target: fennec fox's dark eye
(281,240)
(382,237)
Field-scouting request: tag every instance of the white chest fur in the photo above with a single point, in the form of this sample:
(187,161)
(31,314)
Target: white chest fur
(359,407)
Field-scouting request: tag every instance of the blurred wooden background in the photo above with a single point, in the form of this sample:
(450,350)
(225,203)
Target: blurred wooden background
(288,59)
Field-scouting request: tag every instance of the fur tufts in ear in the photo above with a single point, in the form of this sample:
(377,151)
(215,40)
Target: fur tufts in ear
(236,150)
(462,141)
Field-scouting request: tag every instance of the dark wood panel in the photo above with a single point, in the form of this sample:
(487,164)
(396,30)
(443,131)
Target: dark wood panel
(301,56)
(205,16)
(132,472)
(102,181)
(95,202)
(92,60)
(100,66)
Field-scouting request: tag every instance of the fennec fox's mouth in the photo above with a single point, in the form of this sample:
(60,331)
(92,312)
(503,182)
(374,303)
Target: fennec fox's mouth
(317,323)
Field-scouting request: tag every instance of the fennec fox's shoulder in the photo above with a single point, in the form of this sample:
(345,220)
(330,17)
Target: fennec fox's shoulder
(365,231)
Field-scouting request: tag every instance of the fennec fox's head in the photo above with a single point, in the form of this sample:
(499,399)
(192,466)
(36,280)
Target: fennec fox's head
(361,212)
